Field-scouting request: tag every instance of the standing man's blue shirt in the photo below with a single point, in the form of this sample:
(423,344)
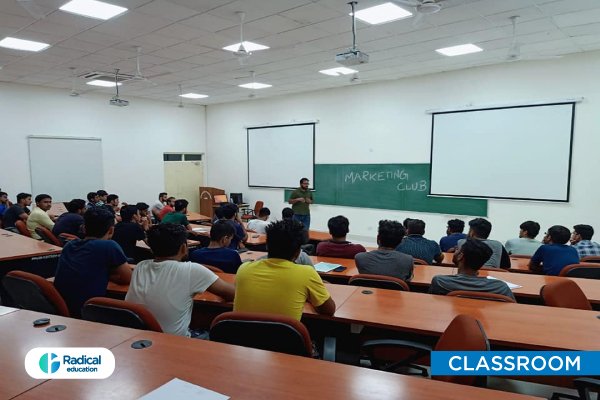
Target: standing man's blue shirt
(450,241)
(554,257)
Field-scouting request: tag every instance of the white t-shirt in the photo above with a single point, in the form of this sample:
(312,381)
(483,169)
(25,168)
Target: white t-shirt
(258,225)
(158,205)
(167,289)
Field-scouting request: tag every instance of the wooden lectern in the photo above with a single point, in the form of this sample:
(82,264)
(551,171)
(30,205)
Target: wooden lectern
(207,195)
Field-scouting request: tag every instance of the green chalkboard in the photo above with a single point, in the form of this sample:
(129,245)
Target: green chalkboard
(386,186)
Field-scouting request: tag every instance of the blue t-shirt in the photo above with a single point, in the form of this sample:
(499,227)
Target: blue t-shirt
(69,223)
(450,241)
(127,234)
(3,207)
(224,258)
(554,257)
(83,270)
(419,247)
(238,236)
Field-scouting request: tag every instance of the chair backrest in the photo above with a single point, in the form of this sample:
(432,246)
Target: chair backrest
(493,269)
(379,281)
(22,228)
(418,261)
(212,268)
(481,296)
(464,333)
(588,270)
(591,259)
(257,206)
(119,312)
(262,331)
(564,293)
(47,236)
(32,292)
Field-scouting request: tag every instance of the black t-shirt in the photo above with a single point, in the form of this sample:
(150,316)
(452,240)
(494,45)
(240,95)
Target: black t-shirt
(12,215)
(127,234)
(69,223)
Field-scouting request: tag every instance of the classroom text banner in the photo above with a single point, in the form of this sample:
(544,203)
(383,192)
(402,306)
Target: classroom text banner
(386,186)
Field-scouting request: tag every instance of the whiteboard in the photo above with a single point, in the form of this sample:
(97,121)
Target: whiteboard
(66,168)
(279,156)
(520,152)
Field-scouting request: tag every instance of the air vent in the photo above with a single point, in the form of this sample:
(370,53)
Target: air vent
(105,76)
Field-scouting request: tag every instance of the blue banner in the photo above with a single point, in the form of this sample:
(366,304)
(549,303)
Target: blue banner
(544,363)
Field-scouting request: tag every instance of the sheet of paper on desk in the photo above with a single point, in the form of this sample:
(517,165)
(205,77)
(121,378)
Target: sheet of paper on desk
(201,229)
(511,286)
(178,389)
(325,266)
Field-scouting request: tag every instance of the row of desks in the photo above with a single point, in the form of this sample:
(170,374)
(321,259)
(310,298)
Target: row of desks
(235,371)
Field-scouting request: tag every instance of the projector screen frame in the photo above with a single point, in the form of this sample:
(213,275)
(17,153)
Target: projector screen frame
(311,181)
(572,127)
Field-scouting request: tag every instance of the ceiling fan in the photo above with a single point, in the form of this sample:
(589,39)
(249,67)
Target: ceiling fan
(421,8)
(241,53)
(33,8)
(138,76)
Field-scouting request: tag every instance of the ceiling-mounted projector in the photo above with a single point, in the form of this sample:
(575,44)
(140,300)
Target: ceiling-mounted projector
(115,101)
(353,56)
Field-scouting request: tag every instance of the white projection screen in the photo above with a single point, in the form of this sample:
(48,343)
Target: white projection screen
(279,156)
(519,152)
(66,168)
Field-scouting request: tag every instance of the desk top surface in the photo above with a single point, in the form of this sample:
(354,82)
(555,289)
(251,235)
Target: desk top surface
(19,336)
(517,264)
(194,216)
(247,373)
(14,246)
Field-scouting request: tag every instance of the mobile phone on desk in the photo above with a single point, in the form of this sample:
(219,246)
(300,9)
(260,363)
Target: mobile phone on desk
(339,269)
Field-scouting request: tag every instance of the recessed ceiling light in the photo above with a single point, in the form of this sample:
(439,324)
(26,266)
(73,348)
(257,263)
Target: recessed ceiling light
(339,71)
(21,44)
(249,46)
(459,50)
(93,9)
(386,12)
(255,85)
(98,82)
(193,96)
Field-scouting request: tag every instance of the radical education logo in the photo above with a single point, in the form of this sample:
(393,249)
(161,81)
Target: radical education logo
(70,363)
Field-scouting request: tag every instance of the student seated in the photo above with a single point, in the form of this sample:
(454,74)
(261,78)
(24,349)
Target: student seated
(129,231)
(287,213)
(102,198)
(85,266)
(526,244)
(554,254)
(338,246)
(454,233)
(4,203)
(480,229)
(16,212)
(112,203)
(92,198)
(471,256)
(159,204)
(278,286)
(71,222)
(417,246)
(229,211)
(169,207)
(39,216)
(145,217)
(259,224)
(218,253)
(386,260)
(581,240)
(167,285)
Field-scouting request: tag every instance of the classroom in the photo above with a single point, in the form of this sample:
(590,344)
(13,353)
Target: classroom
(380,115)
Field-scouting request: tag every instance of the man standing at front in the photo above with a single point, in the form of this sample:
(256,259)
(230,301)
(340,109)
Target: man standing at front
(300,199)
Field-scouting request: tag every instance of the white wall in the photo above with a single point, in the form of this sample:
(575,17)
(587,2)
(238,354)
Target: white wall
(133,138)
(386,123)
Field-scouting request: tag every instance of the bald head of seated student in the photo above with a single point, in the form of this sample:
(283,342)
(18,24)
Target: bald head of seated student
(16,212)
(554,254)
(85,266)
(218,253)
(71,222)
(386,260)
(39,216)
(416,245)
(168,277)
(338,246)
(480,229)
(277,285)
(471,256)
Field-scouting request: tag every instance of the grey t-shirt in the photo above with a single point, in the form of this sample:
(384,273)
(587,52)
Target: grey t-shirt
(444,284)
(385,262)
(496,247)
(523,246)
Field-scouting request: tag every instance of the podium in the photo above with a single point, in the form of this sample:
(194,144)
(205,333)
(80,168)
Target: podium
(207,195)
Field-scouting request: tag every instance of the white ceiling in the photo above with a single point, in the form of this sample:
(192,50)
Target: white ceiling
(182,41)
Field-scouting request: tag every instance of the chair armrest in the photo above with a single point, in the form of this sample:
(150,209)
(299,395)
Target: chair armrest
(405,344)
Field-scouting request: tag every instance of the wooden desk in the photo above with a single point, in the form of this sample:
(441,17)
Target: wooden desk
(245,373)
(517,264)
(15,247)
(506,324)
(193,216)
(19,336)
(318,236)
